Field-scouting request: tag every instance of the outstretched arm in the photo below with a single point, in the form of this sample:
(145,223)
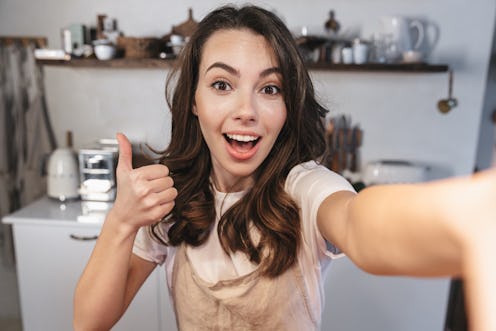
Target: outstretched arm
(441,228)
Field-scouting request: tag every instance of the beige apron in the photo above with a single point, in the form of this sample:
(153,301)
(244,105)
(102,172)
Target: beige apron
(249,302)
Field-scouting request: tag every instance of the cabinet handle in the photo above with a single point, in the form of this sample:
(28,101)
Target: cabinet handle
(83,238)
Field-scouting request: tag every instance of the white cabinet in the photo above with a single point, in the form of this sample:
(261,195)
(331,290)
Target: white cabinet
(51,256)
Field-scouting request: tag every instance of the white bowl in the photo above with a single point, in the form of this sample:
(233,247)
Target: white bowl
(104,52)
(393,172)
(412,57)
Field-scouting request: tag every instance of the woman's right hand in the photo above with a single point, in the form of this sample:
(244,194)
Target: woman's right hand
(113,274)
(144,195)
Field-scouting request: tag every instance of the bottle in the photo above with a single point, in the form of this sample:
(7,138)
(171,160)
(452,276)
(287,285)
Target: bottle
(331,25)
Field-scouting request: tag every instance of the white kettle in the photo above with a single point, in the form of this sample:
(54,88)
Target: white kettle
(407,34)
(63,173)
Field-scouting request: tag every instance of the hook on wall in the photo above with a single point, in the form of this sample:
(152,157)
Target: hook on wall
(445,105)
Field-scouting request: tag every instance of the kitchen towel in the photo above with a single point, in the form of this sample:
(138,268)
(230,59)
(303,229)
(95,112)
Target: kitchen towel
(26,135)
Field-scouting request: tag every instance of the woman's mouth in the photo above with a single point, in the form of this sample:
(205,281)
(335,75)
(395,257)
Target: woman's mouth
(241,144)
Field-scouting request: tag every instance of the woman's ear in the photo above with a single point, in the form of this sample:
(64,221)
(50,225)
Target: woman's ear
(193,110)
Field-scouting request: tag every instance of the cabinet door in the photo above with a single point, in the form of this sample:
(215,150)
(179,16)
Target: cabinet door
(49,264)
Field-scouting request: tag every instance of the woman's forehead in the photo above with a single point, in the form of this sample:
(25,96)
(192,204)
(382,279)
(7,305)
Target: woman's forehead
(232,44)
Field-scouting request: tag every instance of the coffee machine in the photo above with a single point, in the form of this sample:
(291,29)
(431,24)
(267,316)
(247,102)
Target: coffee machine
(97,165)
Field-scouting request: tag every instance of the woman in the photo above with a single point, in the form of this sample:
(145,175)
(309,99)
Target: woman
(250,221)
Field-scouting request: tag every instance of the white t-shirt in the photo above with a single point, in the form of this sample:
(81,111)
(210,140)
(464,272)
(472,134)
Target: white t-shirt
(308,184)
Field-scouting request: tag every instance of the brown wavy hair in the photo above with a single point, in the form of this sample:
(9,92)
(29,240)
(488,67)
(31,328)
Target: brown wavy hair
(266,206)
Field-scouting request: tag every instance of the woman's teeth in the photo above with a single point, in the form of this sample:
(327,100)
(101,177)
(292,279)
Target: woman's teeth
(242,143)
(241,138)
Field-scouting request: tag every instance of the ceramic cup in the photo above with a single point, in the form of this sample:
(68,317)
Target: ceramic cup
(360,53)
(347,55)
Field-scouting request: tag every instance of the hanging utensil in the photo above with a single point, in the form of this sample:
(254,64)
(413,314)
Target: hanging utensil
(445,105)
(329,137)
(356,143)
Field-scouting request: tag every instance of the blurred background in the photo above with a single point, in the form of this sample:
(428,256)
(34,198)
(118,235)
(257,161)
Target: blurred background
(391,96)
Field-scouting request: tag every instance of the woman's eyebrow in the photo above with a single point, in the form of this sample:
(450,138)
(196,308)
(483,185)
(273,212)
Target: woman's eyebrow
(224,66)
(269,71)
(235,72)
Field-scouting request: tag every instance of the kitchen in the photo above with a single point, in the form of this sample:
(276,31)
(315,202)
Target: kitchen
(397,111)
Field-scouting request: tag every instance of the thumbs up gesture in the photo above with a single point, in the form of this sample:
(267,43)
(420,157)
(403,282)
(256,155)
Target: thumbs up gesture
(145,194)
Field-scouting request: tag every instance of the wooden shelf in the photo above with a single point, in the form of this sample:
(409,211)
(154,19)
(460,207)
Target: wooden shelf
(114,63)
(379,67)
(169,63)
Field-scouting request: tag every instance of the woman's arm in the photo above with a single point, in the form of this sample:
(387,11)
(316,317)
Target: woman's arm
(391,230)
(113,274)
(110,280)
(441,228)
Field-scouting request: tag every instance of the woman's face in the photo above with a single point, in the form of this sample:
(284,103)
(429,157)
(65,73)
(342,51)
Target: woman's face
(239,104)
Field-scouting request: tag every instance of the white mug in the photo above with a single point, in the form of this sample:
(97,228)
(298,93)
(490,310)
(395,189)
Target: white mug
(360,53)
(347,55)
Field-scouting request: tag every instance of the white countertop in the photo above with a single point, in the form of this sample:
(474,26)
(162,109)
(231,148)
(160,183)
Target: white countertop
(50,211)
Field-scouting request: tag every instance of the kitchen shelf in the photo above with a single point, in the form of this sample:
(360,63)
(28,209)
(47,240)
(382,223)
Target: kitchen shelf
(114,63)
(170,63)
(380,67)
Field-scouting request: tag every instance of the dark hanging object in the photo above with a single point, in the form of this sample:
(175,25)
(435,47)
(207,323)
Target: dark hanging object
(446,105)
(331,25)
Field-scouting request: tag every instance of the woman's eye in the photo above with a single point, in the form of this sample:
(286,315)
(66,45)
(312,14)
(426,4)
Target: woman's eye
(271,89)
(221,86)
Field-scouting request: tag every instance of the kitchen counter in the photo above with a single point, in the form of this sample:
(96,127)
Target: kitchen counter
(53,241)
(53,212)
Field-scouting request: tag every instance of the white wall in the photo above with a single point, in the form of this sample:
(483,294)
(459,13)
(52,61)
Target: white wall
(397,111)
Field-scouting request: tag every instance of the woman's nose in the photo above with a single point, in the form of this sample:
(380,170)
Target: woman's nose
(246,109)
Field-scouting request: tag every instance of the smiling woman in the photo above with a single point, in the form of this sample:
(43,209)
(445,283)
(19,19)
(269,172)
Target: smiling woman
(238,97)
(246,220)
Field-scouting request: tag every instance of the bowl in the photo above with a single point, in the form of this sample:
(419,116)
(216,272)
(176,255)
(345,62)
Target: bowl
(412,57)
(394,172)
(104,52)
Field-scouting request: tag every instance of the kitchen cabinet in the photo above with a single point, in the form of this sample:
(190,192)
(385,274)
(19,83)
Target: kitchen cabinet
(51,251)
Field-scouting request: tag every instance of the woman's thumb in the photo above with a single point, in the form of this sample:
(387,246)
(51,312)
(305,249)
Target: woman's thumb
(125,161)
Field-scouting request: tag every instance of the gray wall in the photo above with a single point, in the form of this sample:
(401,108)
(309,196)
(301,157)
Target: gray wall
(397,111)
